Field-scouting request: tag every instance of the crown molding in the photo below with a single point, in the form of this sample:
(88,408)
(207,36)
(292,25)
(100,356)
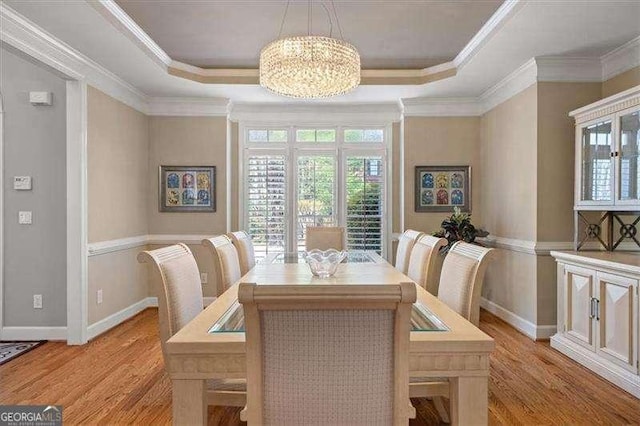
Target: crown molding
(201,107)
(127,26)
(506,11)
(27,37)
(375,113)
(441,107)
(621,59)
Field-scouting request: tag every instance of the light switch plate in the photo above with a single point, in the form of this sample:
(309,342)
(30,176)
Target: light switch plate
(22,183)
(25,218)
(99,296)
(37,301)
(204,277)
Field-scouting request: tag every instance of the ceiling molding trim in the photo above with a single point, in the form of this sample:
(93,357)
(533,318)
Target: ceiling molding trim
(506,11)
(127,26)
(511,85)
(441,107)
(27,37)
(568,69)
(359,114)
(192,107)
(621,59)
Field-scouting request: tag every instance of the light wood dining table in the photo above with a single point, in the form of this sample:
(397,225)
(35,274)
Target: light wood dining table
(457,351)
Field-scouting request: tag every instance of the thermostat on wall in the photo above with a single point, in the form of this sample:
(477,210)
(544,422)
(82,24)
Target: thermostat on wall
(22,183)
(41,98)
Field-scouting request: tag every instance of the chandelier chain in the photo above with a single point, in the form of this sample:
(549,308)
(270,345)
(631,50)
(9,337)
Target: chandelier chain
(284,17)
(333,6)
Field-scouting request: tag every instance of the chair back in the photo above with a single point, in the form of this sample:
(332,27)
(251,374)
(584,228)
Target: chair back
(225,261)
(327,354)
(461,279)
(405,245)
(246,254)
(324,237)
(180,298)
(423,258)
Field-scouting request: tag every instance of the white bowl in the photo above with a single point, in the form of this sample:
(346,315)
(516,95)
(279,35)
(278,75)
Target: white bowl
(324,264)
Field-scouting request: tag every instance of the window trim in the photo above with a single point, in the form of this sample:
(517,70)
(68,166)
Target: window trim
(340,149)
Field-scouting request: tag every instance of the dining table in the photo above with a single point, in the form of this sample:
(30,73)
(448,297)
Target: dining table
(444,346)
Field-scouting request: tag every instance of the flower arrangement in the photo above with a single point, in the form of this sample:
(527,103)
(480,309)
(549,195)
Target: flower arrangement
(458,227)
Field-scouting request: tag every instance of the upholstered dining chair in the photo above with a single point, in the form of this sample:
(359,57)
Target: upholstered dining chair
(405,245)
(460,288)
(325,237)
(246,254)
(423,258)
(225,261)
(180,301)
(335,355)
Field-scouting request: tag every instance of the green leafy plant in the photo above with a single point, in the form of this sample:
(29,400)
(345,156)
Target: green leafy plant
(458,227)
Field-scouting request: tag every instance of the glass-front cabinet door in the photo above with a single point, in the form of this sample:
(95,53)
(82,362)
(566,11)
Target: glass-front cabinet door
(596,168)
(628,172)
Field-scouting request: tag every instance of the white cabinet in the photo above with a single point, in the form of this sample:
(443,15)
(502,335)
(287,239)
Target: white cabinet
(598,308)
(608,153)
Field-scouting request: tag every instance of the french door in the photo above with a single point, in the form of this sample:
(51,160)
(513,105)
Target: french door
(296,185)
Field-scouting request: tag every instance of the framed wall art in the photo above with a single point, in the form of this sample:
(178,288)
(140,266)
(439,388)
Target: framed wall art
(187,189)
(441,188)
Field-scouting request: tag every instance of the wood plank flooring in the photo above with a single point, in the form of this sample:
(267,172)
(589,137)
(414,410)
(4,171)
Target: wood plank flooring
(119,378)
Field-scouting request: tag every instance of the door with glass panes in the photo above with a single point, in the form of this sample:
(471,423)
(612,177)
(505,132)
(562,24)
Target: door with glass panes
(319,177)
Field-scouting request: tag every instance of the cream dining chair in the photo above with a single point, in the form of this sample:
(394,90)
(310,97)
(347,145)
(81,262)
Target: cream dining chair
(460,288)
(324,237)
(225,261)
(423,258)
(180,301)
(405,245)
(327,355)
(246,254)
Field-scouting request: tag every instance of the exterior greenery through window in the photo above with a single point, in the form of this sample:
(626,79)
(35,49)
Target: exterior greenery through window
(299,177)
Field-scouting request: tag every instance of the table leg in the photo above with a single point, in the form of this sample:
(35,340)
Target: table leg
(469,400)
(189,402)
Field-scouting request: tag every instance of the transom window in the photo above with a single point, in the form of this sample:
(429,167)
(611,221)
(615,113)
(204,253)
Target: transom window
(297,177)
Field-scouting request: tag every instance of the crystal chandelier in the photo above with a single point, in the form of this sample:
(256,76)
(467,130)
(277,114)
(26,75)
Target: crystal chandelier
(310,66)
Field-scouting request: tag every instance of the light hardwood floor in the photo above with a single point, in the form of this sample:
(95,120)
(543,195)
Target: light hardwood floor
(119,378)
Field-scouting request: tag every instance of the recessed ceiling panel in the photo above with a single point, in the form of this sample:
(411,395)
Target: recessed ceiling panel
(388,34)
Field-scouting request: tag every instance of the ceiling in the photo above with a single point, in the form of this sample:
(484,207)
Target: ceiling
(388,34)
(585,28)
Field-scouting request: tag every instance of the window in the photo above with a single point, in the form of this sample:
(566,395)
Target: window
(314,177)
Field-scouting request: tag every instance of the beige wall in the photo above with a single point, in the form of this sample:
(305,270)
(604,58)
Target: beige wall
(122,279)
(439,141)
(556,156)
(118,170)
(508,136)
(188,141)
(621,82)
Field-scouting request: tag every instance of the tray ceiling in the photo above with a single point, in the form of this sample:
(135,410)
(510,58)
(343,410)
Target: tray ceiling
(389,35)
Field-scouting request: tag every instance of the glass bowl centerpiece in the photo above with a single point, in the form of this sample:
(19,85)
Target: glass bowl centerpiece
(324,264)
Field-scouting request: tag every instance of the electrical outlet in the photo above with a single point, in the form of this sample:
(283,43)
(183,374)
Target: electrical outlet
(99,296)
(37,301)
(203,277)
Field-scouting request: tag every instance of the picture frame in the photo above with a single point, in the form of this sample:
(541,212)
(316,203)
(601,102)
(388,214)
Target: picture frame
(441,188)
(187,189)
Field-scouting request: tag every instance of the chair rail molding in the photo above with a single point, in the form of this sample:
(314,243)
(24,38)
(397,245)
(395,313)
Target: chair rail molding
(109,246)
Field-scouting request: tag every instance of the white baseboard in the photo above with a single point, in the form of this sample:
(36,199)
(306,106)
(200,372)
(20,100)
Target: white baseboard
(33,333)
(119,317)
(531,330)
(616,375)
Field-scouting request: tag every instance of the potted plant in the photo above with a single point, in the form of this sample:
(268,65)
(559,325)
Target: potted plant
(458,227)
